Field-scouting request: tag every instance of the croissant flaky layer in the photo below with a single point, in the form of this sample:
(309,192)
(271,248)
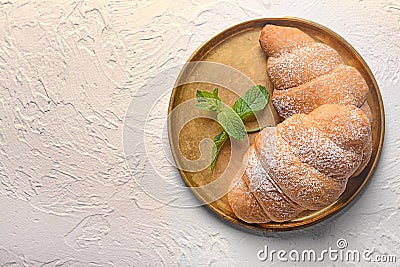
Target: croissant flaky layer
(307,74)
(305,162)
(302,164)
(344,85)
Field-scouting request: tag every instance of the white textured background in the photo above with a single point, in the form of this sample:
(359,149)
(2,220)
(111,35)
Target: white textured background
(68,70)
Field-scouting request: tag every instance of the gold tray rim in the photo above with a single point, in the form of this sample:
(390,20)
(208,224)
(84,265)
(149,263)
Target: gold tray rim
(257,228)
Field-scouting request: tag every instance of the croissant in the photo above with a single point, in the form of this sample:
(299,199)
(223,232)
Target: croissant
(305,162)
(307,74)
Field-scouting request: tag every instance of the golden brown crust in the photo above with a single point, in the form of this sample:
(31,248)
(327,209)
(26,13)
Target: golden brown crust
(302,65)
(302,163)
(367,111)
(353,136)
(302,183)
(367,151)
(306,161)
(274,43)
(343,86)
(244,205)
(270,197)
(313,147)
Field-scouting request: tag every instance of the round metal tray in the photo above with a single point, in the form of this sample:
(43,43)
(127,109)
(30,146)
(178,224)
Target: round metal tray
(238,47)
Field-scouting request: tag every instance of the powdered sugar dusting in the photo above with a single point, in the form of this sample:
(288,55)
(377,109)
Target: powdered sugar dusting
(244,205)
(302,65)
(343,86)
(302,183)
(300,164)
(313,147)
(352,135)
(271,198)
(287,39)
(306,161)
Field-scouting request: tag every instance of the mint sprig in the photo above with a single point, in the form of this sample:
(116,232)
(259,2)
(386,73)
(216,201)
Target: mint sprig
(209,101)
(226,116)
(231,119)
(254,100)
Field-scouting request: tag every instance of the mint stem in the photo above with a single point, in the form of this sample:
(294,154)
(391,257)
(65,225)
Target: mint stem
(256,129)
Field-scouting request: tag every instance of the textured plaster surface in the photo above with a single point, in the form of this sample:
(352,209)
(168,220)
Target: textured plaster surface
(68,71)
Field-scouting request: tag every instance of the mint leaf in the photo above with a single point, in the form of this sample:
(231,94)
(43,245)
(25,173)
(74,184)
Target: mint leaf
(232,123)
(255,99)
(209,101)
(231,119)
(207,94)
(219,141)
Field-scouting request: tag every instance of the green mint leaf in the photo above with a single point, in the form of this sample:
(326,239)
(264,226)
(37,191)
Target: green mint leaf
(232,123)
(231,119)
(255,99)
(219,141)
(207,94)
(209,101)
